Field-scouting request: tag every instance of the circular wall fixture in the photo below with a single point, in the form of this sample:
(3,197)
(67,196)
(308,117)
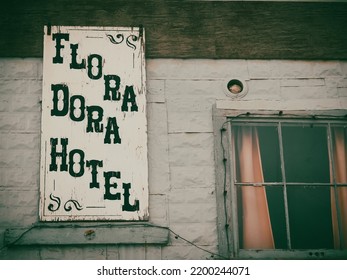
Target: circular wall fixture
(235,88)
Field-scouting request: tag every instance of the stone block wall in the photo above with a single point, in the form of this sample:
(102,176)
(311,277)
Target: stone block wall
(180,97)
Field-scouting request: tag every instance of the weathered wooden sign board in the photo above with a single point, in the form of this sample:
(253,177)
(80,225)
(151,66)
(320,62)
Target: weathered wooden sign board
(94,129)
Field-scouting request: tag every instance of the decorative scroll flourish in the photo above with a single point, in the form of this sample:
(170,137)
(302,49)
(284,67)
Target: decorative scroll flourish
(68,205)
(51,206)
(119,38)
(130,44)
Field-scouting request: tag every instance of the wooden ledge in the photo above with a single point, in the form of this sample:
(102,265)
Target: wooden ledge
(83,234)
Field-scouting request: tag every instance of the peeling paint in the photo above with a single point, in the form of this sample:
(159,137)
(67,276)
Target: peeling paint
(94,156)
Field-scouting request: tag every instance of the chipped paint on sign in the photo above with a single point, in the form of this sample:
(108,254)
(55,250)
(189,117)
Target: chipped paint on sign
(94,128)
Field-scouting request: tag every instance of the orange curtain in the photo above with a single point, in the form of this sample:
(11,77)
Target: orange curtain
(340,163)
(257,231)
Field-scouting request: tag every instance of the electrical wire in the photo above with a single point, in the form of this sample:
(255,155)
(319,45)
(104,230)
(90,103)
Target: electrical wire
(225,192)
(199,247)
(213,254)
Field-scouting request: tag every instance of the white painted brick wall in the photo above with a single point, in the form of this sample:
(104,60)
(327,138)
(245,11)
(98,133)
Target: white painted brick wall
(180,143)
(20,95)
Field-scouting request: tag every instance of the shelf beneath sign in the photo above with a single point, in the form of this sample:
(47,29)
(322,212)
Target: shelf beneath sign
(84,234)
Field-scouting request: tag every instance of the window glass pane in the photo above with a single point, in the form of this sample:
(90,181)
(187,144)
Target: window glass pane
(339,139)
(276,210)
(312,211)
(257,146)
(310,217)
(339,216)
(270,154)
(306,157)
(275,201)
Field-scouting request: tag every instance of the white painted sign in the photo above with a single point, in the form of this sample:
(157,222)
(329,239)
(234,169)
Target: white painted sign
(94,129)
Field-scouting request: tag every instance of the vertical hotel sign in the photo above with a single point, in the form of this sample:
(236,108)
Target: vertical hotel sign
(94,130)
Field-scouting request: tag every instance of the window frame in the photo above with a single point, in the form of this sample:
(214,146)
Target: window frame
(226,193)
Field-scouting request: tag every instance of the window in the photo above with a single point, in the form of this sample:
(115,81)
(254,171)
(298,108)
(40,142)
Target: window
(284,186)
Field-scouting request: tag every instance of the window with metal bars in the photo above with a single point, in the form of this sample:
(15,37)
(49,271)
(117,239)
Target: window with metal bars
(288,186)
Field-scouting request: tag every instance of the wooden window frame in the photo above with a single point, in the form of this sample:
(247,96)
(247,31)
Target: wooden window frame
(227,207)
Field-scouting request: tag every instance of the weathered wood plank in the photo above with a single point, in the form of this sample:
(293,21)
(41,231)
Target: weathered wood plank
(282,30)
(84,234)
(189,29)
